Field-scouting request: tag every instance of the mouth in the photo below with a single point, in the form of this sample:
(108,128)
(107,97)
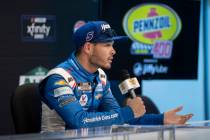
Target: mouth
(110,59)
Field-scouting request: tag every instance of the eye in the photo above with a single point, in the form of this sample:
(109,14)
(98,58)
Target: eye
(108,44)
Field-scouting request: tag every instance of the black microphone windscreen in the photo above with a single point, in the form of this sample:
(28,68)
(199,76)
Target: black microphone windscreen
(124,75)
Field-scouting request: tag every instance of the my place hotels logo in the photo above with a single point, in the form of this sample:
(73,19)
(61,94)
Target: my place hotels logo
(33,76)
(38,28)
(152,27)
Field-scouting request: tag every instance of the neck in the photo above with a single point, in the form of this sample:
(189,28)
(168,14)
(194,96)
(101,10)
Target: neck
(84,61)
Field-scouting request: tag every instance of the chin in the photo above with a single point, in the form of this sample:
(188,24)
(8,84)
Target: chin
(107,67)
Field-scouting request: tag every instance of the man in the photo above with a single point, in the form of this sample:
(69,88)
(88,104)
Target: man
(79,91)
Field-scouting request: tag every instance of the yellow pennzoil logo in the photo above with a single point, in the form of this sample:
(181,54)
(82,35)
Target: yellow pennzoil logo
(154,26)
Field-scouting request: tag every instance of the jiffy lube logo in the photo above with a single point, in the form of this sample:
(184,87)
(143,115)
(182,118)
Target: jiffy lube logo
(152,27)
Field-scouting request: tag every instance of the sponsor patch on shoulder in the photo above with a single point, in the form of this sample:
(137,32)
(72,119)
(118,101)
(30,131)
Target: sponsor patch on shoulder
(67,101)
(62,91)
(61,83)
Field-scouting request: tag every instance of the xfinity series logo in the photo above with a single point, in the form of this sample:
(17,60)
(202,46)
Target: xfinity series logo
(38,28)
(38,31)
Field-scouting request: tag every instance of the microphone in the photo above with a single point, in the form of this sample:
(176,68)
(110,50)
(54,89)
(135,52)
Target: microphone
(128,84)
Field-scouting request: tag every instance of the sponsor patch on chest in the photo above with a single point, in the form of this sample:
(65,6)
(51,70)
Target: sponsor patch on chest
(83,100)
(99,87)
(98,96)
(84,86)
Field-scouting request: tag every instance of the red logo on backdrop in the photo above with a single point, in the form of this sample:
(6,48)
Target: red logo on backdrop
(78,24)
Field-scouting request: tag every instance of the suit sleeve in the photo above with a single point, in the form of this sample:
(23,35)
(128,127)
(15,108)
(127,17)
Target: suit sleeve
(148,119)
(109,103)
(60,97)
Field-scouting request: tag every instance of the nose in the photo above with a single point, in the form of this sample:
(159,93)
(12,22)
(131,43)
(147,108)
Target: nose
(113,51)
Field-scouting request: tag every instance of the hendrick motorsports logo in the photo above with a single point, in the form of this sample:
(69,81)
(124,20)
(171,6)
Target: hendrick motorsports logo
(152,27)
(34,76)
(38,28)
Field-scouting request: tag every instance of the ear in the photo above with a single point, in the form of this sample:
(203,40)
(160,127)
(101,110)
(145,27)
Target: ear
(88,48)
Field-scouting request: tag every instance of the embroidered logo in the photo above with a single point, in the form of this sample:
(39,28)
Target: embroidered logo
(83,100)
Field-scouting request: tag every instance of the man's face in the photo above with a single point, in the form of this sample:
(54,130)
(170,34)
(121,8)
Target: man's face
(102,55)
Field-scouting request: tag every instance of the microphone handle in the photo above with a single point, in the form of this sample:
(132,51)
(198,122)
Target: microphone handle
(133,94)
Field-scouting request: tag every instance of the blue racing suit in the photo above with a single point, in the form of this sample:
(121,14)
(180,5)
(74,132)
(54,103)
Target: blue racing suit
(84,99)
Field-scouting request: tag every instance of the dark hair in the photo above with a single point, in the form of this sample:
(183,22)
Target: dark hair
(78,51)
